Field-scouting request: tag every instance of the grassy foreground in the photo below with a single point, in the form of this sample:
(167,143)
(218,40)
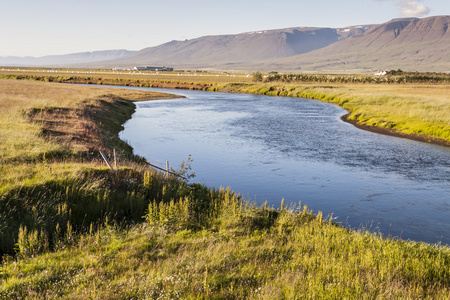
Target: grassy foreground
(239,252)
(75,229)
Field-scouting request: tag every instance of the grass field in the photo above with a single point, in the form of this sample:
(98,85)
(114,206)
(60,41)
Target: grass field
(241,253)
(178,76)
(40,121)
(72,228)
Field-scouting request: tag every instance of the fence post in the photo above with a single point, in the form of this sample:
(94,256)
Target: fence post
(167,169)
(106,160)
(115,159)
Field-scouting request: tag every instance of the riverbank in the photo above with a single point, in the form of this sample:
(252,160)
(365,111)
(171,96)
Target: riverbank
(390,132)
(418,112)
(414,111)
(80,230)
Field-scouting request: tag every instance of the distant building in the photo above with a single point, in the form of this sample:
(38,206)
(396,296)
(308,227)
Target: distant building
(381,73)
(153,68)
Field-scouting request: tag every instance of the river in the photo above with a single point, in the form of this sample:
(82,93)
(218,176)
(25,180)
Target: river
(270,148)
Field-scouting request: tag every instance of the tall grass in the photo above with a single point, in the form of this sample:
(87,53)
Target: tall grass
(395,77)
(55,207)
(51,178)
(235,250)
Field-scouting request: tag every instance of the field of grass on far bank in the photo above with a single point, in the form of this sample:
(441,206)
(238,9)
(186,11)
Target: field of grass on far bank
(415,109)
(72,228)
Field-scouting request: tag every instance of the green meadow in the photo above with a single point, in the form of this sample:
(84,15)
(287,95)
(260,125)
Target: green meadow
(72,228)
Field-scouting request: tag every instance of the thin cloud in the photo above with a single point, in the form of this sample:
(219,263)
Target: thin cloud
(414,9)
(411,8)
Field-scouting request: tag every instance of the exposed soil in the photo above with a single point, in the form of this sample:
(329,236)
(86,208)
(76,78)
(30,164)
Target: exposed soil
(94,125)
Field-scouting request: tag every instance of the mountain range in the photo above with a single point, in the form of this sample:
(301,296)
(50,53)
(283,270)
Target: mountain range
(411,44)
(65,60)
(225,51)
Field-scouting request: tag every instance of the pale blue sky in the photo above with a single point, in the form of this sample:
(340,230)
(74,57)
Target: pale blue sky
(46,27)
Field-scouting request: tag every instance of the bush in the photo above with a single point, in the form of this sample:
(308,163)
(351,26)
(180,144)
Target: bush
(257,77)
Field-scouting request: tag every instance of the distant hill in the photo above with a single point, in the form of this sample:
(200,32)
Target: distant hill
(64,60)
(410,44)
(227,50)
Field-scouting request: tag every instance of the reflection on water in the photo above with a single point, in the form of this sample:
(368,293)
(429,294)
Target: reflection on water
(269,148)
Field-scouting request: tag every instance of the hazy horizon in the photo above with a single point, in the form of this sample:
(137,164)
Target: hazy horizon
(50,27)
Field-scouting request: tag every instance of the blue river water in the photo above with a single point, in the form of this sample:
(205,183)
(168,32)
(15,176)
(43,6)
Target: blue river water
(270,148)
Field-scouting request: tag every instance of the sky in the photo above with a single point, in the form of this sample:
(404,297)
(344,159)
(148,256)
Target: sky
(51,27)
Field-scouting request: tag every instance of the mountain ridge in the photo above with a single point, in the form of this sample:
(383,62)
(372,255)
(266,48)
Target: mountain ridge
(229,49)
(64,59)
(411,44)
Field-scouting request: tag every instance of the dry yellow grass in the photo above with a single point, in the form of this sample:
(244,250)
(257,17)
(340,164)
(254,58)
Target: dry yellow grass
(17,94)
(216,77)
